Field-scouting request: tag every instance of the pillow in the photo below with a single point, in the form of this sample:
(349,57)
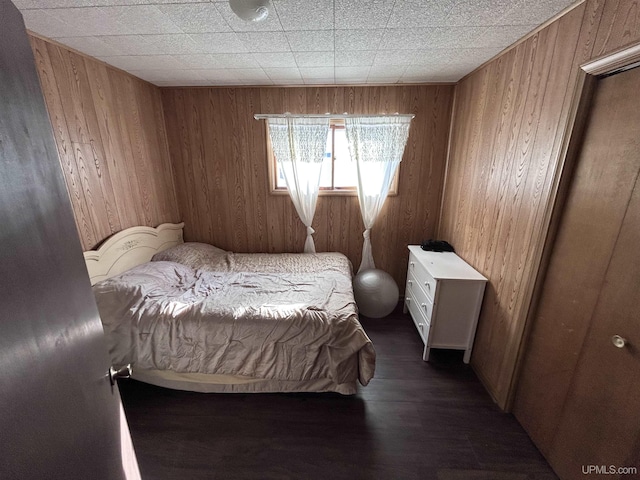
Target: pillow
(192,254)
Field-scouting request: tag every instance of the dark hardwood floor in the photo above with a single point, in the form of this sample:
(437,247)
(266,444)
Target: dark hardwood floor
(415,420)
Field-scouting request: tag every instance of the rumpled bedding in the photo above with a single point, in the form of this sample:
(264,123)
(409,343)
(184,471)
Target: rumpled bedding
(271,316)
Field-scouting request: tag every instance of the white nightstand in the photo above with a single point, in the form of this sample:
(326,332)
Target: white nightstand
(443,296)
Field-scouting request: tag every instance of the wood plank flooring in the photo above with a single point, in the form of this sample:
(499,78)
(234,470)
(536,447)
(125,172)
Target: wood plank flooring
(415,420)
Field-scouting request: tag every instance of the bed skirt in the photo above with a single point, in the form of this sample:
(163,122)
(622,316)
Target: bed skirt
(212,383)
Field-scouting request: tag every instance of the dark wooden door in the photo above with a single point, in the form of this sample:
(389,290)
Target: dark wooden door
(60,418)
(600,425)
(579,394)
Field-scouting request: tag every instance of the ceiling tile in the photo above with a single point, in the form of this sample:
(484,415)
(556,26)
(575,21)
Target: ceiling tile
(271,24)
(454,37)
(196,17)
(358,39)
(436,78)
(93,46)
(356,58)
(276,60)
(218,43)
(175,1)
(526,12)
(428,38)
(417,70)
(239,75)
(284,75)
(387,71)
(309,73)
(152,44)
(404,39)
(430,56)
(134,44)
(436,70)
(351,80)
(474,13)
(501,36)
(264,41)
(396,57)
(218,60)
(362,14)
(183,83)
(167,75)
(352,72)
(45,4)
(144,62)
(420,13)
(127,20)
(307,15)
(314,59)
(477,55)
(311,41)
(42,22)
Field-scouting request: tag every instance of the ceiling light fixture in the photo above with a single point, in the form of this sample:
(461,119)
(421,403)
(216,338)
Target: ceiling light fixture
(250,10)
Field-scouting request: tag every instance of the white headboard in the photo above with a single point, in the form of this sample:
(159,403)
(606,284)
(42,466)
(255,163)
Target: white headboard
(130,247)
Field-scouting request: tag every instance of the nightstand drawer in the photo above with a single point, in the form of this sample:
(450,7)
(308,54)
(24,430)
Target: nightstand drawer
(420,298)
(422,277)
(419,320)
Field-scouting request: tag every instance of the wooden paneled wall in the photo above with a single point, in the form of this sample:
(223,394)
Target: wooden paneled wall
(509,125)
(111,139)
(219,157)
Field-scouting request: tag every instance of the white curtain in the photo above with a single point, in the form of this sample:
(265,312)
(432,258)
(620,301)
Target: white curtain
(299,146)
(377,145)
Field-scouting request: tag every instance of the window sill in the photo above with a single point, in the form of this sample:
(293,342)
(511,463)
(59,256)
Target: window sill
(328,193)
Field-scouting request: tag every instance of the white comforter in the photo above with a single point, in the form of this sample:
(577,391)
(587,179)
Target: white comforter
(299,324)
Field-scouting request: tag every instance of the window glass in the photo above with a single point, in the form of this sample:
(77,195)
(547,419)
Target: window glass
(345,170)
(339,173)
(325,174)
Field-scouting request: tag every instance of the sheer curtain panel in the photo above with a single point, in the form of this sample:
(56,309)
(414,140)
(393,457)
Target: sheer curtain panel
(377,145)
(299,146)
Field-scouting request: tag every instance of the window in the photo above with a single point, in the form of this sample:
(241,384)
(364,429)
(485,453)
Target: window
(339,175)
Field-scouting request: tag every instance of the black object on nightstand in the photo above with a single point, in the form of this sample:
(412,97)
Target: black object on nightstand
(436,246)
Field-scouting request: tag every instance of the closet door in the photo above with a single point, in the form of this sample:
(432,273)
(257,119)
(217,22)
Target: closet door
(600,425)
(579,394)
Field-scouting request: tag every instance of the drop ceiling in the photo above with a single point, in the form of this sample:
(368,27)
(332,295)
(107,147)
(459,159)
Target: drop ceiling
(192,43)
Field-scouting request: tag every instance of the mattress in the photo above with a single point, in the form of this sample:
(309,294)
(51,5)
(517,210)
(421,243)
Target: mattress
(287,319)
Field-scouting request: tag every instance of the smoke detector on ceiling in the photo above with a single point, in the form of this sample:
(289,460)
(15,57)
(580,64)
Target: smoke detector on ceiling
(250,10)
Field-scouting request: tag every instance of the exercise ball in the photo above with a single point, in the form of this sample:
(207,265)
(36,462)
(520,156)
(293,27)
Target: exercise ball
(376,293)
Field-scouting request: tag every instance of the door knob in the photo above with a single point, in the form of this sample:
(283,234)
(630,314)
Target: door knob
(122,372)
(618,341)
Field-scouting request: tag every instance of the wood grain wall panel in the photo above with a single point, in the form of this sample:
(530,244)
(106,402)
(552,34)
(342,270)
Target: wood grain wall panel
(618,27)
(220,161)
(111,139)
(53,101)
(506,153)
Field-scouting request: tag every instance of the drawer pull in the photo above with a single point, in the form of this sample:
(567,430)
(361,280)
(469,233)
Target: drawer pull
(408,299)
(410,282)
(618,341)
(428,285)
(424,305)
(412,264)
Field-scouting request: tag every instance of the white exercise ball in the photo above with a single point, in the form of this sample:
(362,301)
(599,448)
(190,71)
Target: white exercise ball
(376,293)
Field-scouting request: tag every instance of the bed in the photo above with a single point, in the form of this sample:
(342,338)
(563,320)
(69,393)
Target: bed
(194,317)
